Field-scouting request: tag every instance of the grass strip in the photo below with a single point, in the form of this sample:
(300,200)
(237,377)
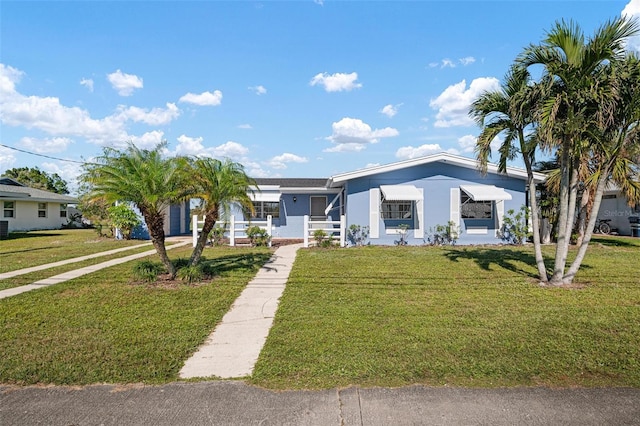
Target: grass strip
(463,316)
(100,328)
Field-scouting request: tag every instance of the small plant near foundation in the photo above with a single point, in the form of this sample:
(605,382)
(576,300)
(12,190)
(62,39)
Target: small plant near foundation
(258,236)
(357,235)
(443,235)
(216,236)
(515,228)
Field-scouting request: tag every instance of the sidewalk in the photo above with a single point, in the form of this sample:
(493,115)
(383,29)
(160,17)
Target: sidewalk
(236,403)
(82,271)
(232,350)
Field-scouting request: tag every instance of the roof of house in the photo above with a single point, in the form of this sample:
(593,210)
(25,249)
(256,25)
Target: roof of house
(11,189)
(293,182)
(442,157)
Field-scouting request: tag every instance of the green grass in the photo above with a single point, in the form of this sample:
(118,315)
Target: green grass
(26,249)
(464,316)
(102,329)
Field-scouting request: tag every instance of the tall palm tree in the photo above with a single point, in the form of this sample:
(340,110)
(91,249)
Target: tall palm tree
(218,184)
(142,177)
(575,63)
(615,146)
(510,111)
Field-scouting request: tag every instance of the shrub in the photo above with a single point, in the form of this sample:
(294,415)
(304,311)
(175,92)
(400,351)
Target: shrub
(191,274)
(180,262)
(515,228)
(216,236)
(147,270)
(258,236)
(443,235)
(357,235)
(124,218)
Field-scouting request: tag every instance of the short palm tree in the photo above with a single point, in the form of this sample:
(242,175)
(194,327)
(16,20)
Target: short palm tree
(141,177)
(218,184)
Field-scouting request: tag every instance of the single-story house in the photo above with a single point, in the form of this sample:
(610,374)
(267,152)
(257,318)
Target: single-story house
(615,207)
(419,194)
(27,209)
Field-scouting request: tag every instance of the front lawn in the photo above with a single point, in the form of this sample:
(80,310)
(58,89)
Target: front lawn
(101,328)
(463,316)
(26,249)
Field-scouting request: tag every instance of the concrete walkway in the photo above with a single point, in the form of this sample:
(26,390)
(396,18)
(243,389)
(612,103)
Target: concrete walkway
(232,350)
(80,272)
(19,272)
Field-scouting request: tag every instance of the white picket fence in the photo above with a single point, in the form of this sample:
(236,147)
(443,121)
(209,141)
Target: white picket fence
(328,226)
(233,229)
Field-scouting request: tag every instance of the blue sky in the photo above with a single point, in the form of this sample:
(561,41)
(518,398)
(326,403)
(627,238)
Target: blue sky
(289,89)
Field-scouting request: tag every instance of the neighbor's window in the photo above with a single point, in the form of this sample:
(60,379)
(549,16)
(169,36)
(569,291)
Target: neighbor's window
(265,208)
(63,210)
(397,209)
(42,209)
(9,209)
(470,209)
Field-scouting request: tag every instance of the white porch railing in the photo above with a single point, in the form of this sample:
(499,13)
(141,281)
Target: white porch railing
(328,226)
(233,229)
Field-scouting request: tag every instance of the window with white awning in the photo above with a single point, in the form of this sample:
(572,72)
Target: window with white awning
(485,192)
(266,201)
(397,204)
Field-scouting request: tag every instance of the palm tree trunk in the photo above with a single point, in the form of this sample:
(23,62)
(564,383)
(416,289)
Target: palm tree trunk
(156,231)
(593,217)
(561,251)
(209,223)
(535,219)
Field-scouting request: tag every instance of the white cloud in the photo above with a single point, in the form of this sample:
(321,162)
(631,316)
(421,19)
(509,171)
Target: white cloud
(259,90)
(632,11)
(320,2)
(69,172)
(154,117)
(190,146)
(88,83)
(453,104)
(42,146)
(148,140)
(9,77)
(280,161)
(337,82)
(448,63)
(245,126)
(410,152)
(467,60)
(7,159)
(468,143)
(203,99)
(352,134)
(390,110)
(124,83)
(230,149)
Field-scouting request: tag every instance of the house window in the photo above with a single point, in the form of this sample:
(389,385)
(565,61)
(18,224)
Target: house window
(42,209)
(63,210)
(9,209)
(470,209)
(265,208)
(397,209)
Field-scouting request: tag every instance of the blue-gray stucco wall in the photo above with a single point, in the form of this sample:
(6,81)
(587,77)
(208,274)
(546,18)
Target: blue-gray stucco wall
(436,180)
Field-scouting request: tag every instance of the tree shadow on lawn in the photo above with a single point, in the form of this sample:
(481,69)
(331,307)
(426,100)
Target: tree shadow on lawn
(251,261)
(616,241)
(503,257)
(23,235)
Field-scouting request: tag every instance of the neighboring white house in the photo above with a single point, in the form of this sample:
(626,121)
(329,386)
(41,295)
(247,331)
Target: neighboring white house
(27,209)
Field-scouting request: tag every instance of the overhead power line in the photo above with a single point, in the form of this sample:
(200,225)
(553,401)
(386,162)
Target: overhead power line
(43,155)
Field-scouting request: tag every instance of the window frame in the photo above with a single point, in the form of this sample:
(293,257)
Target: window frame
(42,210)
(262,211)
(466,200)
(63,210)
(397,213)
(11,209)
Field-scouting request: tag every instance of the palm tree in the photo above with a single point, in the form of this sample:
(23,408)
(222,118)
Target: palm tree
(143,178)
(218,184)
(510,111)
(575,64)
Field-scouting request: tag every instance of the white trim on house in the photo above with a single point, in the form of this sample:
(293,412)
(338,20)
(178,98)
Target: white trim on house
(443,157)
(486,192)
(272,197)
(401,193)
